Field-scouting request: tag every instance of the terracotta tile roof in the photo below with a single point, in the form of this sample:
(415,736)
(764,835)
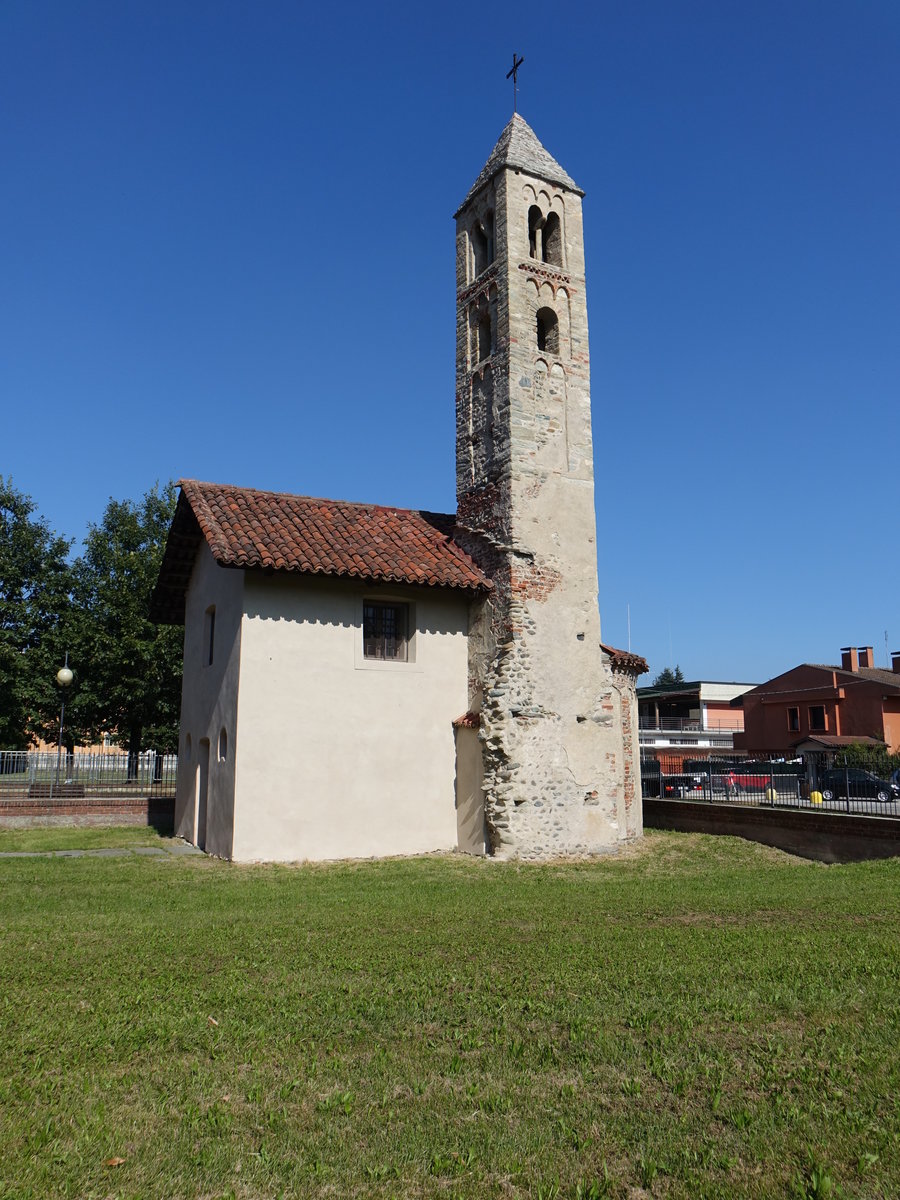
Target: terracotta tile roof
(837,741)
(883,675)
(469,720)
(244,527)
(624,660)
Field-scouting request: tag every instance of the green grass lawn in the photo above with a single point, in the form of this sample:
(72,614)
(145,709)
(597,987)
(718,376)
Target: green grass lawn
(701,1017)
(80,837)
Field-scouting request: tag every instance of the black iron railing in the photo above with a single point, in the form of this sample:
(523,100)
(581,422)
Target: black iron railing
(45,775)
(818,782)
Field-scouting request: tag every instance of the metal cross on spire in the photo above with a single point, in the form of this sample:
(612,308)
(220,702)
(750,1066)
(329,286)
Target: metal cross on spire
(514,71)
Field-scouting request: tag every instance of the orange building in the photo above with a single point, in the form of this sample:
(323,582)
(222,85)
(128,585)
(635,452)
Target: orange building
(833,705)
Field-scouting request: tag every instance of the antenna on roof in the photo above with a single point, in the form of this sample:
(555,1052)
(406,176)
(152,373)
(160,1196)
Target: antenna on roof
(514,71)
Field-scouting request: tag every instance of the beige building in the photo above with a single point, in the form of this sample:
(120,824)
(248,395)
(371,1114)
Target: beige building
(369,681)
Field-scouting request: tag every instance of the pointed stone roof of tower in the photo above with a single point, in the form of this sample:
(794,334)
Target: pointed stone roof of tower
(518,147)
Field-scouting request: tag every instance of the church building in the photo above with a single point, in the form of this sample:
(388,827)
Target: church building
(362,680)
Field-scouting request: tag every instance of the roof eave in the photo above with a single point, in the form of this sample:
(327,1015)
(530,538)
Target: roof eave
(358,577)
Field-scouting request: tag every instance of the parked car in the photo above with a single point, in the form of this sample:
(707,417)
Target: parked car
(650,777)
(682,785)
(744,779)
(862,785)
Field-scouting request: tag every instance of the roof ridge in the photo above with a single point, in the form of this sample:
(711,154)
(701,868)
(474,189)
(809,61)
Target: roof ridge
(367,504)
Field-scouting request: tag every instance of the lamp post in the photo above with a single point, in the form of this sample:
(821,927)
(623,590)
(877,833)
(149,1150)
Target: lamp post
(64,677)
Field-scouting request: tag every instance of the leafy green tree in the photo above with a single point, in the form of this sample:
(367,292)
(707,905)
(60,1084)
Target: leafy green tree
(871,758)
(35,583)
(130,680)
(668,676)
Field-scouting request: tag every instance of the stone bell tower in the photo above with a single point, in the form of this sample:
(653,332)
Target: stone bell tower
(539,680)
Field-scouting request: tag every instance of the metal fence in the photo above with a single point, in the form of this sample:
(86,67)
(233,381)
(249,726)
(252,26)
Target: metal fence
(829,782)
(693,724)
(46,775)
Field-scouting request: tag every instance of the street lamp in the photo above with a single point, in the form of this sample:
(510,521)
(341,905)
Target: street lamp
(64,677)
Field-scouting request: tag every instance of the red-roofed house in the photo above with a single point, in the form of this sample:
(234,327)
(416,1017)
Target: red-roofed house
(274,591)
(821,706)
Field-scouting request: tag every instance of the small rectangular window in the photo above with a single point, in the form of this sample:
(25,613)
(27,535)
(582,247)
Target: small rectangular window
(793,715)
(209,635)
(817,718)
(386,631)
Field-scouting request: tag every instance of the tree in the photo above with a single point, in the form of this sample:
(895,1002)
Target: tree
(876,758)
(35,582)
(131,668)
(667,677)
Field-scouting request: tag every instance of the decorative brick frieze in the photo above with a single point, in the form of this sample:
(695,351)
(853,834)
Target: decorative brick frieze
(480,287)
(554,277)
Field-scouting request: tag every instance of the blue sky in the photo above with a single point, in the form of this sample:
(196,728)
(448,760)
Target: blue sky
(227,253)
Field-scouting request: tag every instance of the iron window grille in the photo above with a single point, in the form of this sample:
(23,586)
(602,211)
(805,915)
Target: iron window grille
(386,631)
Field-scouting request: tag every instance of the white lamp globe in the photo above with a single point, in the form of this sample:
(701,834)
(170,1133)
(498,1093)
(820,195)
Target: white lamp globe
(64,676)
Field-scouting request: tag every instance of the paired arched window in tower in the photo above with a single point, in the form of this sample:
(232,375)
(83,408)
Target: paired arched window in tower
(545,236)
(483,243)
(551,243)
(535,220)
(547,331)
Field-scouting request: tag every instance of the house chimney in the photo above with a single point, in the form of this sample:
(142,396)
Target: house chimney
(866,657)
(849,660)
(895,660)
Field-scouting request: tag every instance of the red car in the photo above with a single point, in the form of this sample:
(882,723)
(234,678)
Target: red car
(739,781)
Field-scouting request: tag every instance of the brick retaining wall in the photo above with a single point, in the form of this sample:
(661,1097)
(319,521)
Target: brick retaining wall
(827,837)
(158,811)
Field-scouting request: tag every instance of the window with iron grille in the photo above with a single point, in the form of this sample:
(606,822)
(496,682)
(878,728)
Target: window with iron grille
(385,631)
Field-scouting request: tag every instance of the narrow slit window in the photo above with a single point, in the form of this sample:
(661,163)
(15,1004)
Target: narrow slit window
(209,635)
(547,331)
(480,249)
(484,337)
(386,631)
(793,715)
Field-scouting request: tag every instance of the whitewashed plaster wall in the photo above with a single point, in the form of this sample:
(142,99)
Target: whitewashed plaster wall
(209,702)
(342,756)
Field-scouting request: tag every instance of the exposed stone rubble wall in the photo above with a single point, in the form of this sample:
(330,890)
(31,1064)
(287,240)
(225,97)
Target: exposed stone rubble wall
(625,669)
